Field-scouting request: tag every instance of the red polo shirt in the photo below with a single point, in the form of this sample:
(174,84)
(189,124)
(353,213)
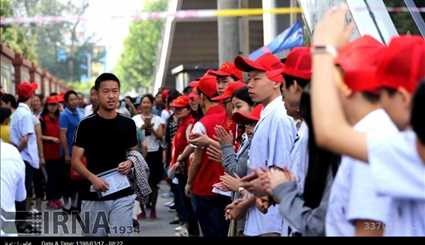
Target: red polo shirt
(50,127)
(179,139)
(209,171)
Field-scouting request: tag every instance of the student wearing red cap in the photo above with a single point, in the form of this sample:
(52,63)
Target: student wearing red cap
(354,203)
(178,168)
(227,73)
(22,135)
(297,75)
(226,99)
(275,130)
(236,164)
(396,160)
(226,96)
(55,166)
(203,172)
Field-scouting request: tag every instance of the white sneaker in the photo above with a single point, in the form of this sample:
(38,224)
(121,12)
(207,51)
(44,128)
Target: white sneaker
(183,233)
(179,228)
(169,204)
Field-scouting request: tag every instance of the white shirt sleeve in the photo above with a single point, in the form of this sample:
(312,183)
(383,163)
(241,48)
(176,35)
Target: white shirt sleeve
(199,128)
(21,193)
(280,143)
(396,166)
(88,110)
(138,121)
(364,201)
(36,120)
(158,121)
(165,115)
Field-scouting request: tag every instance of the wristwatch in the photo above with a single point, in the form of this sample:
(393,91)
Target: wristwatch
(324,49)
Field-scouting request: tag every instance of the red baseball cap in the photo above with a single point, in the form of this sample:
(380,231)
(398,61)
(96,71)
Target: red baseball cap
(402,64)
(359,61)
(164,94)
(181,102)
(230,89)
(26,89)
(193,84)
(267,63)
(208,85)
(60,97)
(52,99)
(227,69)
(251,117)
(298,63)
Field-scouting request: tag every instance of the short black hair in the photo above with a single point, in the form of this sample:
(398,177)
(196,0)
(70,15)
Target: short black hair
(149,96)
(8,98)
(243,95)
(371,97)
(391,91)
(68,93)
(187,90)
(417,119)
(290,80)
(206,96)
(105,77)
(40,96)
(53,94)
(4,114)
(172,95)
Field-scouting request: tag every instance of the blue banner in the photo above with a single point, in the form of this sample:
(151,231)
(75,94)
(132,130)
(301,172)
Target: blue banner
(289,38)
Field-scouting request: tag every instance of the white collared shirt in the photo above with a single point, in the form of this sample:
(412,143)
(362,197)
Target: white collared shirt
(152,142)
(273,140)
(353,194)
(299,155)
(12,185)
(21,124)
(399,173)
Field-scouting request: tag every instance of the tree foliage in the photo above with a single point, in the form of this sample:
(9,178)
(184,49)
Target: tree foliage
(15,36)
(56,47)
(137,62)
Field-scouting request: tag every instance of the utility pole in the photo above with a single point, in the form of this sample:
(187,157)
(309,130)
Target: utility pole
(228,32)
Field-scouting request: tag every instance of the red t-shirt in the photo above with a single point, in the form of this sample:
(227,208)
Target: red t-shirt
(209,171)
(179,139)
(50,127)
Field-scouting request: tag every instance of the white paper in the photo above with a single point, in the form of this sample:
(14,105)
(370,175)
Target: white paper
(175,181)
(115,180)
(220,192)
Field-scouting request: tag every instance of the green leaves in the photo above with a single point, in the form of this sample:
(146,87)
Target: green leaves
(137,63)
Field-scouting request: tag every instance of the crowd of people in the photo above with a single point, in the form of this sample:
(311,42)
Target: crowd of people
(329,140)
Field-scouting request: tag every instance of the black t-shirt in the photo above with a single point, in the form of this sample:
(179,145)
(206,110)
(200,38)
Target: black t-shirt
(105,143)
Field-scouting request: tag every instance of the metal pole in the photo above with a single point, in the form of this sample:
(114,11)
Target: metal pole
(228,32)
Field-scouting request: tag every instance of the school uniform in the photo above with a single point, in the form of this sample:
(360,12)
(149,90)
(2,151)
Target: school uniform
(352,195)
(399,173)
(273,139)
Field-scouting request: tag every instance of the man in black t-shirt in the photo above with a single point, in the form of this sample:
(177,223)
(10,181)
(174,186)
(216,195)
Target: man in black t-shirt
(104,138)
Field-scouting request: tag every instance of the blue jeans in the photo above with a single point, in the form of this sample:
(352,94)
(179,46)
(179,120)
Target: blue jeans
(210,213)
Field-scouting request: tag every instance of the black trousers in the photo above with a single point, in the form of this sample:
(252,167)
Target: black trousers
(184,206)
(21,212)
(56,171)
(210,213)
(29,175)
